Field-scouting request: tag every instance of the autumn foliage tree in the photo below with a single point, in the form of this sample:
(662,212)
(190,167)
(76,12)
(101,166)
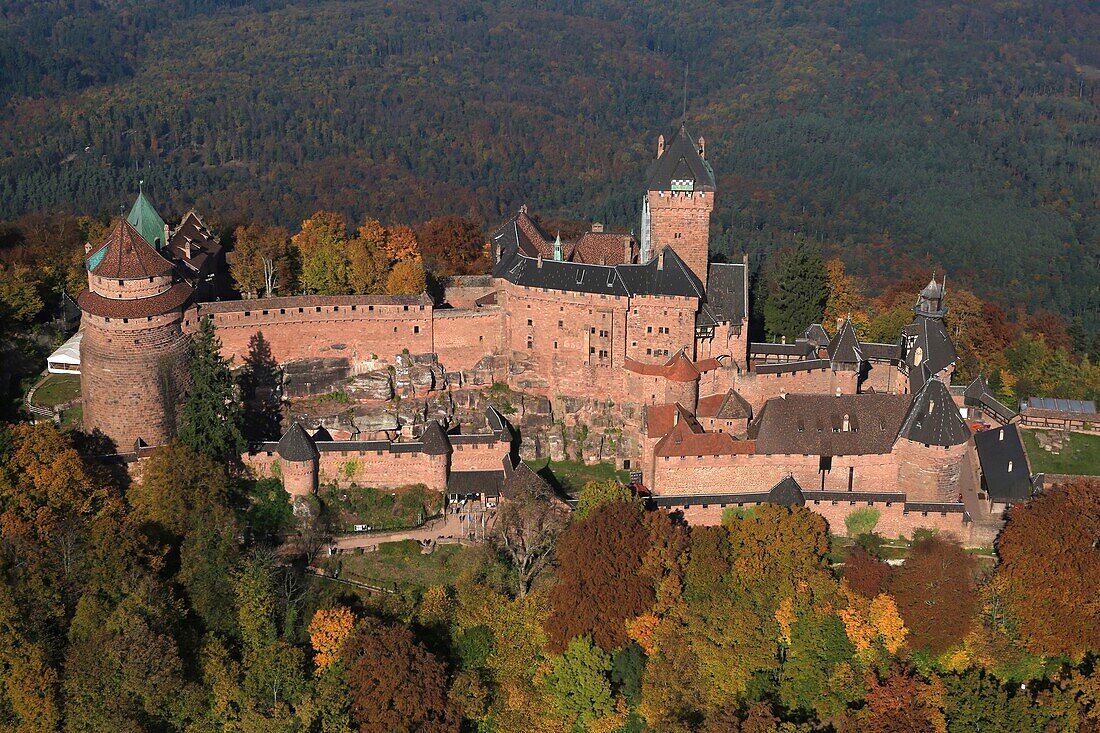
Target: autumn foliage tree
(260,263)
(597,593)
(936,591)
(1050,568)
(395,683)
(451,245)
(407,277)
(865,573)
(328,630)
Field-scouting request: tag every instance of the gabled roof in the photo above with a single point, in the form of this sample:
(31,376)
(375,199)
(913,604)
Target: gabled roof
(816,335)
(807,424)
(125,255)
(434,440)
(680,369)
(931,348)
(687,438)
(787,493)
(933,418)
(978,393)
(844,346)
(726,288)
(728,406)
(204,245)
(144,218)
(322,435)
(1006,473)
(296,445)
(680,161)
(673,277)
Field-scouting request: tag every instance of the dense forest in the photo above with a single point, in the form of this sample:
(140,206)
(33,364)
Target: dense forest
(167,603)
(896,134)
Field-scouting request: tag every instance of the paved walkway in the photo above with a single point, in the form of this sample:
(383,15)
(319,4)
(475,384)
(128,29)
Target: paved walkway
(450,528)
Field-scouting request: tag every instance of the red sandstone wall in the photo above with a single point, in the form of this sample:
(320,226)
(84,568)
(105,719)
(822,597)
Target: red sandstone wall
(682,221)
(893,521)
(299,478)
(464,337)
(930,473)
(478,456)
(133,377)
(354,332)
(658,327)
(759,388)
(382,469)
(745,473)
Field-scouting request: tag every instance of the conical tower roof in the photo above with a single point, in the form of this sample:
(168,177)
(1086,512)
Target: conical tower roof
(127,255)
(144,218)
(787,493)
(933,418)
(296,445)
(681,162)
(435,440)
(844,346)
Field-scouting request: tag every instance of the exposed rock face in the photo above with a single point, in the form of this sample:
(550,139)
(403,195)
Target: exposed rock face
(376,385)
(315,376)
(418,373)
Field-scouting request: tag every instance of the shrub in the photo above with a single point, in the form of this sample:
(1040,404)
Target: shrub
(862,521)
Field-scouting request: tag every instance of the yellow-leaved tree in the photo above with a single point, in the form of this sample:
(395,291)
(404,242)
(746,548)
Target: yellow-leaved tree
(328,630)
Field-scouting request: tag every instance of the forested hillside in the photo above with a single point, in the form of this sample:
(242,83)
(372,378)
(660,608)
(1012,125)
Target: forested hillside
(899,134)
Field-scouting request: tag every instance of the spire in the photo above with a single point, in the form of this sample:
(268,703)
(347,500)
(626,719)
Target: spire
(557,247)
(143,216)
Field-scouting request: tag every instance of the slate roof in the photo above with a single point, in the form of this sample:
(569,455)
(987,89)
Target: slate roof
(802,349)
(726,290)
(728,406)
(322,435)
(931,345)
(125,255)
(296,445)
(933,418)
(204,245)
(881,352)
(806,365)
(476,482)
(144,218)
(998,450)
(680,161)
(978,393)
(816,335)
(434,440)
(787,493)
(844,346)
(814,424)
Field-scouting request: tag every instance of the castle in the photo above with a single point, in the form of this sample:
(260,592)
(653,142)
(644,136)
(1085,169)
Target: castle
(644,324)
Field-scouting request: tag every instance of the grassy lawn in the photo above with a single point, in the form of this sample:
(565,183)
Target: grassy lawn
(1080,455)
(57,388)
(72,416)
(380,509)
(571,476)
(402,563)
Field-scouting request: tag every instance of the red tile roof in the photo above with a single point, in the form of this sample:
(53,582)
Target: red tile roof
(128,256)
(603,248)
(156,305)
(678,369)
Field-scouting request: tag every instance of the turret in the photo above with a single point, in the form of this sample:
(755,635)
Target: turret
(298,461)
(678,202)
(134,354)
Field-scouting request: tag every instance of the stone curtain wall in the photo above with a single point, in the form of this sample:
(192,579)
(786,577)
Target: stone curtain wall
(462,338)
(759,388)
(893,521)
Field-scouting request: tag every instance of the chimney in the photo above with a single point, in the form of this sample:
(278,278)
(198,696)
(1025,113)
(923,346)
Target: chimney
(597,227)
(702,148)
(846,425)
(661,260)
(660,145)
(165,240)
(627,251)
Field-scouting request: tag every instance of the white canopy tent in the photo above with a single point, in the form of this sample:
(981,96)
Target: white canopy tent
(66,360)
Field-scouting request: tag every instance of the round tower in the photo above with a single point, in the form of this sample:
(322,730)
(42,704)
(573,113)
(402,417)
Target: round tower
(298,461)
(134,357)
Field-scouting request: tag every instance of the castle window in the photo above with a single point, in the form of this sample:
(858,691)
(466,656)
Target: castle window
(555,344)
(592,329)
(247,314)
(633,343)
(530,344)
(480,338)
(561,324)
(353,307)
(335,309)
(649,329)
(265,313)
(395,329)
(530,322)
(591,349)
(148,318)
(301,310)
(150,279)
(125,320)
(370,307)
(406,308)
(416,329)
(649,352)
(282,311)
(318,309)
(121,283)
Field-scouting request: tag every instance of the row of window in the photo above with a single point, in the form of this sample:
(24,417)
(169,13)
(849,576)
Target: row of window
(317,309)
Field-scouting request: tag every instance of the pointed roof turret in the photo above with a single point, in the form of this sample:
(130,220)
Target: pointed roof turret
(127,255)
(144,218)
(435,440)
(297,446)
(933,417)
(930,302)
(680,166)
(557,247)
(844,346)
(787,493)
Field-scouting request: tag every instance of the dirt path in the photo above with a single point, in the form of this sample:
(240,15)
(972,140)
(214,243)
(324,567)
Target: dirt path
(450,528)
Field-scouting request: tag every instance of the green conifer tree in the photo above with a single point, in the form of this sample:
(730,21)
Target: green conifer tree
(212,414)
(798,293)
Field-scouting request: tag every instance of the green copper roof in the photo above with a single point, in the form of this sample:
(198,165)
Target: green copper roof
(147,221)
